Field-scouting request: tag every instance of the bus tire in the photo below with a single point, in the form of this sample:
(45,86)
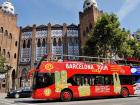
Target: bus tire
(66,95)
(124,92)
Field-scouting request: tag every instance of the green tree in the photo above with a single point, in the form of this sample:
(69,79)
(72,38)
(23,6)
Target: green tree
(135,46)
(2,62)
(108,38)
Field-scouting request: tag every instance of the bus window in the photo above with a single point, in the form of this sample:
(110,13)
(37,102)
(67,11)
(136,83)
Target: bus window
(82,80)
(125,80)
(99,80)
(86,81)
(108,80)
(73,81)
(44,80)
(135,79)
(92,81)
(78,80)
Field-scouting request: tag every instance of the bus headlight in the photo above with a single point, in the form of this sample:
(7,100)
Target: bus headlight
(47,92)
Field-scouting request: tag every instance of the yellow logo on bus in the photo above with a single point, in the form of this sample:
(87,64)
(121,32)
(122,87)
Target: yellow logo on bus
(49,66)
(47,92)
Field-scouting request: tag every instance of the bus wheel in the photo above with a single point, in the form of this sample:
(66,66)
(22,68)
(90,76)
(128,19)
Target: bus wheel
(124,92)
(66,95)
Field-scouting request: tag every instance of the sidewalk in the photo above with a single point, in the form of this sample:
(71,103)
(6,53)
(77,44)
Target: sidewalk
(3,95)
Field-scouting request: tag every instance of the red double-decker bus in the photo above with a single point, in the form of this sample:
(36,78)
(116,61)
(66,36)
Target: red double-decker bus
(67,80)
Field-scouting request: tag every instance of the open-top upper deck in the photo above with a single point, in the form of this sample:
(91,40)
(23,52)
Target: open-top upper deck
(85,65)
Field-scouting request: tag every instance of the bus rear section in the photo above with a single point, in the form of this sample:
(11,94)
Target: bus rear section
(72,80)
(135,71)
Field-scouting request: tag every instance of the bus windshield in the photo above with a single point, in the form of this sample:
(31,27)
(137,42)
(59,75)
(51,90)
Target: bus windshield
(43,79)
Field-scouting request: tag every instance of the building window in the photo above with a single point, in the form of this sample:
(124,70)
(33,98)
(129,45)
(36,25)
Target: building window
(5,7)
(11,9)
(24,44)
(1,30)
(76,41)
(3,85)
(59,42)
(43,43)
(88,3)
(28,44)
(8,55)
(6,33)
(15,56)
(10,36)
(39,43)
(54,42)
(16,43)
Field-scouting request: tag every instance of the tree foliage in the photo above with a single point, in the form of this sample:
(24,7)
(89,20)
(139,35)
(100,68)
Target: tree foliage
(135,46)
(108,38)
(2,64)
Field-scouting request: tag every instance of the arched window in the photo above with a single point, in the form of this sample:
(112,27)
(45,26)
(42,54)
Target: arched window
(43,43)
(15,55)
(59,42)
(28,44)
(38,43)
(4,52)
(76,41)
(54,42)
(24,44)
(16,43)
(10,36)
(6,33)
(1,30)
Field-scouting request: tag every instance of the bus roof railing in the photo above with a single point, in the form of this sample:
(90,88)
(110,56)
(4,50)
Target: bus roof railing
(88,59)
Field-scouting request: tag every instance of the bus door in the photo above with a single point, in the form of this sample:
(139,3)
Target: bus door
(60,80)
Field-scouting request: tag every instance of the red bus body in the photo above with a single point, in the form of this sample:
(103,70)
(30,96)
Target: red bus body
(70,68)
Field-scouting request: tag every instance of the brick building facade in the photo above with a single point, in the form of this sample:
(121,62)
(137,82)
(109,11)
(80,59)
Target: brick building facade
(9,39)
(87,19)
(37,41)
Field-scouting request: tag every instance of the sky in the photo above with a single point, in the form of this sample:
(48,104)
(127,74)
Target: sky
(67,11)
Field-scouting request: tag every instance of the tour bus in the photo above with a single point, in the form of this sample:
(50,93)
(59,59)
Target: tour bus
(68,80)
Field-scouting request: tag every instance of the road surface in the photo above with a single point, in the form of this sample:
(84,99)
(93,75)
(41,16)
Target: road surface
(100,101)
